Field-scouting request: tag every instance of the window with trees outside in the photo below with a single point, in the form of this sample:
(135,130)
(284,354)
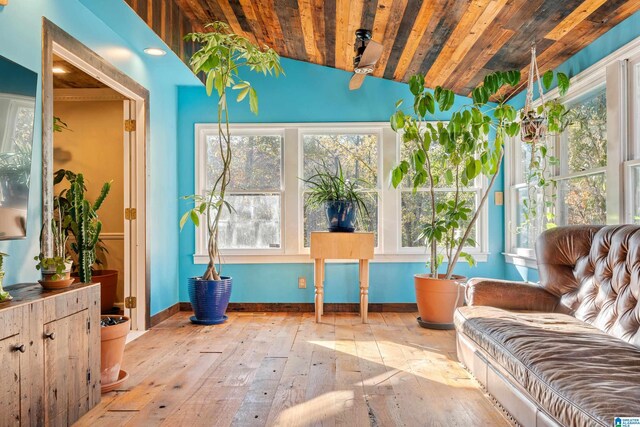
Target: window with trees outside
(581,182)
(255,189)
(358,156)
(271,222)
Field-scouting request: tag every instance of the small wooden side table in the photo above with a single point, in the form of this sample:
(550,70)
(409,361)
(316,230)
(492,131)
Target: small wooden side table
(326,245)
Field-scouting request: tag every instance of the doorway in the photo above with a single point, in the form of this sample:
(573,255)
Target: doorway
(94,123)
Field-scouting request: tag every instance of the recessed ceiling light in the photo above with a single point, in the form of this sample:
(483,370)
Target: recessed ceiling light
(59,70)
(154,51)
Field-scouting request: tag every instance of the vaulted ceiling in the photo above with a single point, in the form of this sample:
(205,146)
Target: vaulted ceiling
(454,42)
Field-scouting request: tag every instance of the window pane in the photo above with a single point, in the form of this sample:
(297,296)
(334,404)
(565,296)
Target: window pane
(582,200)
(316,219)
(254,223)
(357,153)
(416,212)
(523,161)
(587,133)
(526,232)
(635,194)
(255,165)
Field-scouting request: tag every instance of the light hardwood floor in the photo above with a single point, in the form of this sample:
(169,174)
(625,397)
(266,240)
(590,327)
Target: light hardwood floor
(284,369)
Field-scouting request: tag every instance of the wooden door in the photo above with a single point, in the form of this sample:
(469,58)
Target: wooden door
(10,383)
(67,374)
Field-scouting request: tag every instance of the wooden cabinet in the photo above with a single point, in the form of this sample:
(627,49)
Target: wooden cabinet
(49,355)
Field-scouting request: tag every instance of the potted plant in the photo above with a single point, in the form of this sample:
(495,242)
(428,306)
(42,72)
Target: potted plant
(4,295)
(342,199)
(222,58)
(113,338)
(56,270)
(451,154)
(82,223)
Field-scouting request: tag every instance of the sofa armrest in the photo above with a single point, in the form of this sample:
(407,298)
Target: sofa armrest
(510,295)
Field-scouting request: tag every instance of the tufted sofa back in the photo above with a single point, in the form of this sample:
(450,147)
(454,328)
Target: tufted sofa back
(595,271)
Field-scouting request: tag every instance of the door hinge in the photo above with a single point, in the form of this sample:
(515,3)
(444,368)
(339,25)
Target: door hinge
(88,376)
(130,214)
(130,125)
(130,302)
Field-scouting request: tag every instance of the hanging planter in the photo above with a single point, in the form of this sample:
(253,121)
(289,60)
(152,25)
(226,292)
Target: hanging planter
(536,124)
(533,124)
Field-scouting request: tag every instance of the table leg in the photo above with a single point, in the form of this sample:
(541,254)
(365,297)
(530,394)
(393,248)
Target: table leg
(364,289)
(318,281)
(360,263)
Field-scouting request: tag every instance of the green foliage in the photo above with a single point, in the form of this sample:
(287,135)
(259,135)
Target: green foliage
(59,125)
(327,186)
(4,295)
(55,264)
(2,255)
(454,153)
(221,57)
(80,219)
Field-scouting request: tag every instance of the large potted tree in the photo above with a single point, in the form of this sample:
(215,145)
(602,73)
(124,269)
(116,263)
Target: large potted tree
(223,58)
(451,154)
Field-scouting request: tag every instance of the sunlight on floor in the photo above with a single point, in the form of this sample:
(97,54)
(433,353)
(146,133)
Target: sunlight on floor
(317,409)
(430,365)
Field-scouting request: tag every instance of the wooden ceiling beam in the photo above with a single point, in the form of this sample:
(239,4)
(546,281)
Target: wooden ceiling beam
(355,17)
(390,31)
(413,41)
(475,21)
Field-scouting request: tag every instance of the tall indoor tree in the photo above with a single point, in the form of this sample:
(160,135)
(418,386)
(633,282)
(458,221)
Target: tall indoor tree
(223,59)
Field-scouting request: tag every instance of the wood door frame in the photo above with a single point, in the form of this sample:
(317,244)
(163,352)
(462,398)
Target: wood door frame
(55,40)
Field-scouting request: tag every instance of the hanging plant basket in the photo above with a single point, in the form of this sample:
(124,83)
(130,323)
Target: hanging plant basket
(533,127)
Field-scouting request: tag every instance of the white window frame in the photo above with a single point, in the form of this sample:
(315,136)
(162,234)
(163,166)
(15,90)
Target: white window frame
(482,224)
(359,129)
(611,71)
(292,227)
(204,130)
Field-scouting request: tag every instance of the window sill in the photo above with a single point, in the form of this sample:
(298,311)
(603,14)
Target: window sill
(304,259)
(521,260)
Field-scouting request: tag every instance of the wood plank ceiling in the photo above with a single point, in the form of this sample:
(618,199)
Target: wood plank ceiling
(454,42)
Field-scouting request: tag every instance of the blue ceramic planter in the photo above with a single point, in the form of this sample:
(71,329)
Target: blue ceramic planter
(209,300)
(341,215)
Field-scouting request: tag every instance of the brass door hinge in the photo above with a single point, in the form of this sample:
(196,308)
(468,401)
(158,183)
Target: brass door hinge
(130,302)
(130,125)
(130,214)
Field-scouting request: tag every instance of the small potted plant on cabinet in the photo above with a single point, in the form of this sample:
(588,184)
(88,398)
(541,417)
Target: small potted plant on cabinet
(56,270)
(4,295)
(342,199)
(221,58)
(451,155)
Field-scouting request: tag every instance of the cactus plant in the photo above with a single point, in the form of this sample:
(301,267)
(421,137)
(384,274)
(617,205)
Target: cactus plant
(82,220)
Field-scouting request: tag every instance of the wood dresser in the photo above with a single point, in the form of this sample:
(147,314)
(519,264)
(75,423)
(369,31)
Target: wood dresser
(49,354)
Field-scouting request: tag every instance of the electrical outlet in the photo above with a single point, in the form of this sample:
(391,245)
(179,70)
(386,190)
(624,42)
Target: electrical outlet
(302,282)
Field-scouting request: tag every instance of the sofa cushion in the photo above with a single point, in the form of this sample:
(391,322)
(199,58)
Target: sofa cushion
(577,373)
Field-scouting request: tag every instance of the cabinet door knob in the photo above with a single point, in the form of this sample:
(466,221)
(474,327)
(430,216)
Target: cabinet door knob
(20,347)
(50,335)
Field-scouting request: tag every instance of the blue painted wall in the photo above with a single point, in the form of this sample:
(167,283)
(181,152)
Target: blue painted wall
(311,93)
(113,30)
(612,40)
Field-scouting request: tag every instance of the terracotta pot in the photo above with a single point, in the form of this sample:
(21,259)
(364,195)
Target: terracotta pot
(436,298)
(108,280)
(112,341)
(48,282)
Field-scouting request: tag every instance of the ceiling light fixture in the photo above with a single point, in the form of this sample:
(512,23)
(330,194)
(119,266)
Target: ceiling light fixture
(154,51)
(59,70)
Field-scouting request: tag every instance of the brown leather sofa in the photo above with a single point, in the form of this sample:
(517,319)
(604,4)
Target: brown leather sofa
(566,351)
